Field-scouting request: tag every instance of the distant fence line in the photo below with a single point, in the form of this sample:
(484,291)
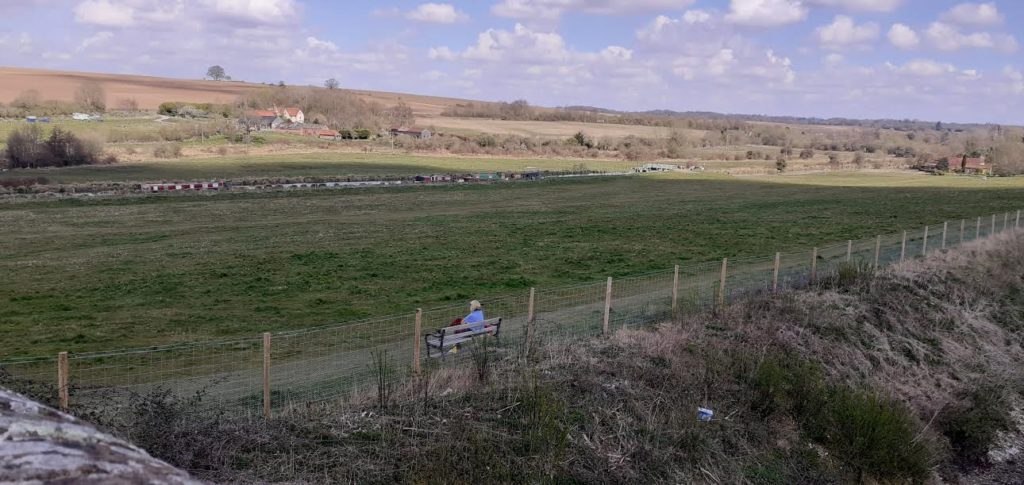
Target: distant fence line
(275,371)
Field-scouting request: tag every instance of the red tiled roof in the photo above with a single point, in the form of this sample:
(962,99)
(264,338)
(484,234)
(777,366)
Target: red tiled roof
(292,111)
(260,113)
(957,162)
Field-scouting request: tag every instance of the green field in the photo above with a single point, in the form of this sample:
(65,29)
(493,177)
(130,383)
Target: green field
(102,274)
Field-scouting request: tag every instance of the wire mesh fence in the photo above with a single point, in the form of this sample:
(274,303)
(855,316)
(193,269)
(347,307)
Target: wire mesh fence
(337,362)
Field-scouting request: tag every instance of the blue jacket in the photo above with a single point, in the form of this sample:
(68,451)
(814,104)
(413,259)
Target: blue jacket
(475,317)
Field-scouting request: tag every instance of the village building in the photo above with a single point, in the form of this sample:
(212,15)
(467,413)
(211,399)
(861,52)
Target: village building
(415,132)
(261,120)
(292,115)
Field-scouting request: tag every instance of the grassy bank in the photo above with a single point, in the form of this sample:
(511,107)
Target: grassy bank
(95,275)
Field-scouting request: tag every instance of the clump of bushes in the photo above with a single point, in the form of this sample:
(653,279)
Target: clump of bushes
(194,110)
(167,150)
(30,147)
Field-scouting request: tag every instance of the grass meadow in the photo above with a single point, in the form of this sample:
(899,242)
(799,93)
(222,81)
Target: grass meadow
(84,275)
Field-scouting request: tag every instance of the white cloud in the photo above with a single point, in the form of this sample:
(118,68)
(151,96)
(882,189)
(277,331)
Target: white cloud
(903,37)
(441,54)
(924,68)
(974,14)
(265,12)
(316,44)
(1015,78)
(949,38)
(522,44)
(437,13)
(766,13)
(614,53)
(21,43)
(860,5)
(552,10)
(834,58)
(96,39)
(844,32)
(105,13)
(129,13)
(696,16)
(56,56)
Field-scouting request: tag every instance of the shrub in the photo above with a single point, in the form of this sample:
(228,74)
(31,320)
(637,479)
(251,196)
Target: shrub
(780,164)
(872,434)
(91,95)
(27,100)
(29,148)
(972,425)
(806,154)
(167,150)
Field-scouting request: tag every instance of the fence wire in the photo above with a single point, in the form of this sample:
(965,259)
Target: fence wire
(356,358)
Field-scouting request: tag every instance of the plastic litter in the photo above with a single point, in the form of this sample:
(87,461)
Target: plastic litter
(705,414)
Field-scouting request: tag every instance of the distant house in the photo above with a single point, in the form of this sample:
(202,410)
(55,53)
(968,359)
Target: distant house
(261,120)
(294,115)
(969,165)
(413,131)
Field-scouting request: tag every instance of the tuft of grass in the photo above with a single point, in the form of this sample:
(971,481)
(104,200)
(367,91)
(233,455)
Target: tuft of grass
(972,425)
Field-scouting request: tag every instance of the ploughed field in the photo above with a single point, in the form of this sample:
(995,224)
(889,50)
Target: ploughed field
(104,274)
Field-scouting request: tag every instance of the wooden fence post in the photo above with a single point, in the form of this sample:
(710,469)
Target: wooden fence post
(993,230)
(775,272)
(607,305)
(945,229)
(721,283)
(849,250)
(1006,221)
(266,375)
(675,290)
(417,333)
(1017,224)
(963,225)
(814,265)
(924,245)
(903,248)
(878,249)
(529,320)
(63,378)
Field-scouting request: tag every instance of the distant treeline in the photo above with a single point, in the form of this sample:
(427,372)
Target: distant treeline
(521,110)
(890,124)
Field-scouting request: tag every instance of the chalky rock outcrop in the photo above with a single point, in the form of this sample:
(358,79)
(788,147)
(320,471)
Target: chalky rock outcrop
(39,444)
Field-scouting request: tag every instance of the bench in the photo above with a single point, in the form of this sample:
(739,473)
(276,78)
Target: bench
(441,341)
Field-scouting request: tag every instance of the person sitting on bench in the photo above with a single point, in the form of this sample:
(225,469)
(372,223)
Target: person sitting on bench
(476,315)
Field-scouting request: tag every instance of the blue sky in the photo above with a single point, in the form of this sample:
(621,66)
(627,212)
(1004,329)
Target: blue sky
(925,59)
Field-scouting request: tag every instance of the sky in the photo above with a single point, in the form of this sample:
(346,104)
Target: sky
(903,59)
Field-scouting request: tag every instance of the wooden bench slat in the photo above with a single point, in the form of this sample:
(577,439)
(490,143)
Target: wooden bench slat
(448,337)
(466,326)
